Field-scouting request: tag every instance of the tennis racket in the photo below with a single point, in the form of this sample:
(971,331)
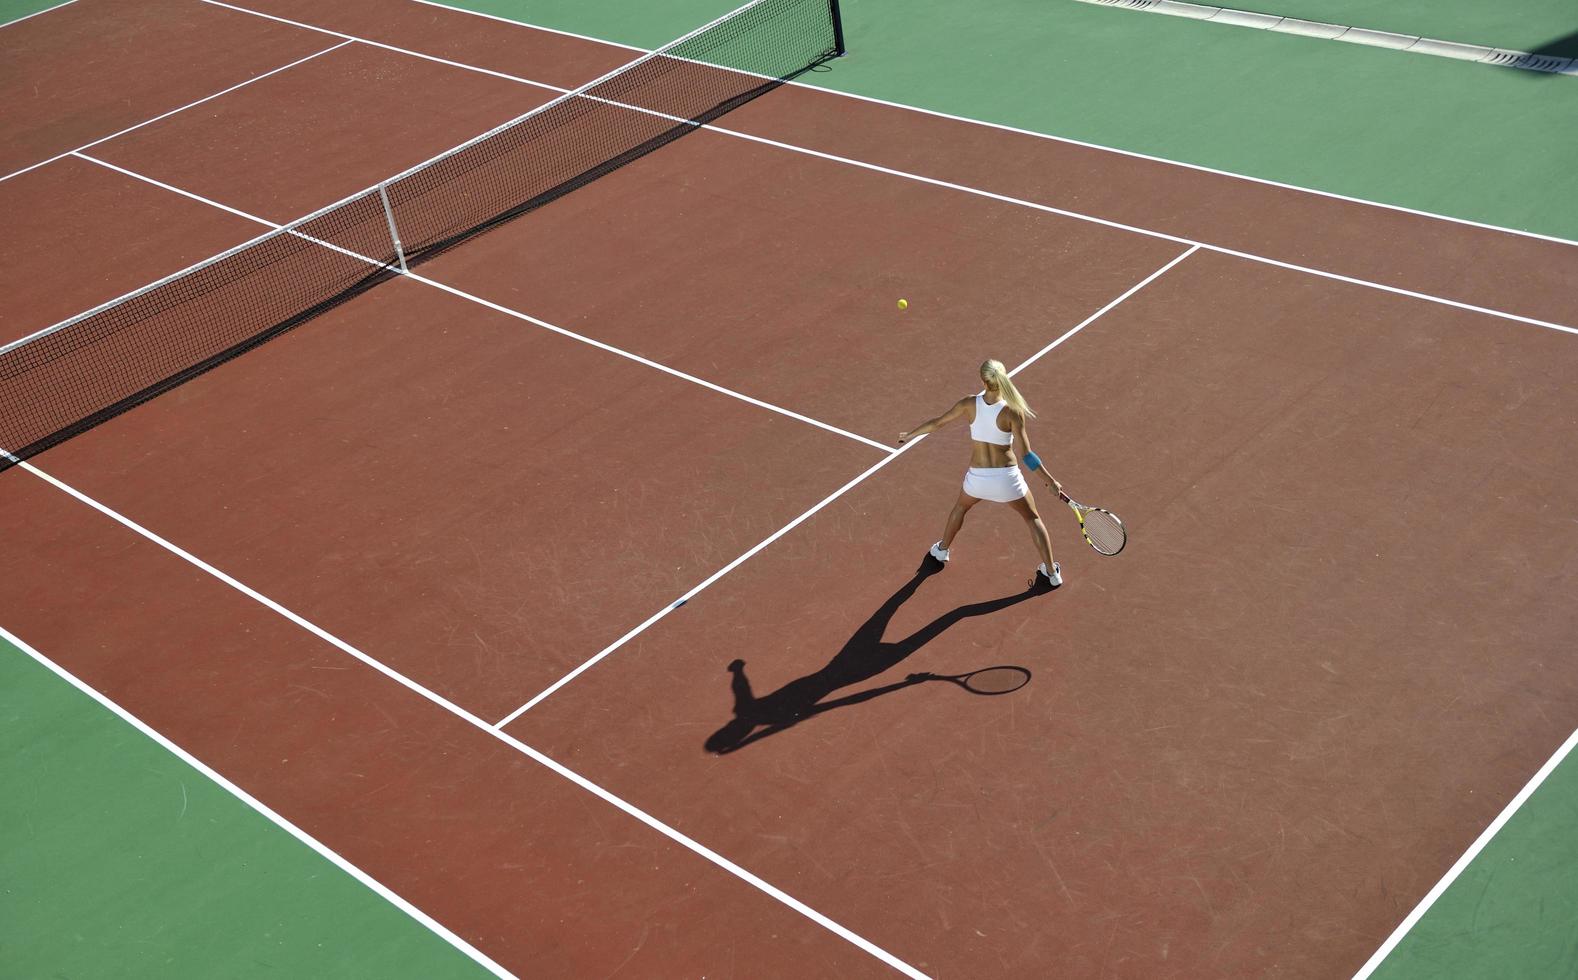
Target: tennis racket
(1101,528)
(987,680)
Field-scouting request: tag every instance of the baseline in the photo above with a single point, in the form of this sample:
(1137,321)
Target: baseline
(437,450)
(1221,741)
(1513,806)
(1083,216)
(261,808)
(1084,144)
(18,20)
(967,189)
(541,759)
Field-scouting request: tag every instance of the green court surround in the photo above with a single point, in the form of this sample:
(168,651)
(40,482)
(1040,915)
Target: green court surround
(1486,144)
(120,859)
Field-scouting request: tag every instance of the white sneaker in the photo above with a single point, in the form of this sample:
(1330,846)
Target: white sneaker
(1053,578)
(939,552)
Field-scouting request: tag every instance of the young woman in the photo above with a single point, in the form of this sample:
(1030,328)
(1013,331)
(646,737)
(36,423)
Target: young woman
(997,421)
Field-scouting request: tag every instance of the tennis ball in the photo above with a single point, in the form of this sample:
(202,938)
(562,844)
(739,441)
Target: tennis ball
(904,304)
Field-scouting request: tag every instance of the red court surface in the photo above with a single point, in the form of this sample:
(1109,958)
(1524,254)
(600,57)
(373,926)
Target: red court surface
(548,879)
(1515,273)
(1511,272)
(91,69)
(399,475)
(1235,752)
(778,274)
(707,268)
(439,32)
(279,148)
(1337,643)
(89,235)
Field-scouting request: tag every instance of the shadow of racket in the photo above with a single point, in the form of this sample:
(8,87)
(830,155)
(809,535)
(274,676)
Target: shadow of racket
(987,680)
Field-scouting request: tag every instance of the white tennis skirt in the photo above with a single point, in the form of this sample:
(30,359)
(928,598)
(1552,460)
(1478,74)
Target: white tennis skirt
(1003,484)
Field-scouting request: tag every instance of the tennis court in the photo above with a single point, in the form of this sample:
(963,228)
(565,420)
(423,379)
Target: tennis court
(452,575)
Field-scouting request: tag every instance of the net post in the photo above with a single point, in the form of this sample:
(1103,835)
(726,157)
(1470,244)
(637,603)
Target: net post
(394,233)
(838,28)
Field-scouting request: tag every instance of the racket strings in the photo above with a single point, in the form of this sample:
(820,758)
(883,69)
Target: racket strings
(996,680)
(1105,532)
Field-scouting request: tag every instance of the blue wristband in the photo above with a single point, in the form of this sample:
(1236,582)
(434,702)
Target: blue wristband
(1033,461)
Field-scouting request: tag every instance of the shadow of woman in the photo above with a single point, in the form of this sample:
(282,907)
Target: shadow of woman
(862,657)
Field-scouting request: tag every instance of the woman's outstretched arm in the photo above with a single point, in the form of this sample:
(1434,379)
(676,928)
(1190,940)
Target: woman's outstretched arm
(1031,460)
(953,414)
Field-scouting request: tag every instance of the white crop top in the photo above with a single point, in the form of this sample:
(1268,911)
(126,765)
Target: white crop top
(984,428)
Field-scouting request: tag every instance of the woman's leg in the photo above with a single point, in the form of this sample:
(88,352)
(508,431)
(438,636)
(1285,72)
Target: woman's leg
(956,517)
(1026,506)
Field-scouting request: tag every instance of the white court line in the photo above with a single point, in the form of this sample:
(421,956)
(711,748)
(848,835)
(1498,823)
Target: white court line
(911,108)
(1147,232)
(893,454)
(390,47)
(1421,213)
(471,719)
(172,112)
(1468,856)
(1134,154)
(572,675)
(1103,311)
(37,12)
(525,317)
(657,365)
(1076,215)
(1195,245)
(344,865)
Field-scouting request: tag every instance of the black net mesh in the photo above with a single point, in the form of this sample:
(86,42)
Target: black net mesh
(97,365)
(602,126)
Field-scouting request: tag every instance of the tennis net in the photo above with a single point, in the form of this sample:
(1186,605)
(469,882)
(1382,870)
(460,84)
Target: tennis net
(86,370)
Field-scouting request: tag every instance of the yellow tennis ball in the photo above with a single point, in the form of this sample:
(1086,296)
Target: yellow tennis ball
(904,304)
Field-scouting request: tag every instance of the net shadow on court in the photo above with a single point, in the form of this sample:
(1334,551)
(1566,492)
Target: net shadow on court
(1561,47)
(73,376)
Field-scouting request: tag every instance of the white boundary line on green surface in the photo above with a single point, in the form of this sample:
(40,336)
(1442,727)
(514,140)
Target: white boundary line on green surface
(586,784)
(164,115)
(1135,154)
(809,152)
(36,13)
(1423,905)
(926,180)
(1320,30)
(1002,198)
(1149,233)
(989,194)
(1463,862)
(262,808)
(589,341)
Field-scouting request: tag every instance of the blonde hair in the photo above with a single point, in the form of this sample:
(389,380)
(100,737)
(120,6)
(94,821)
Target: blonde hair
(994,372)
